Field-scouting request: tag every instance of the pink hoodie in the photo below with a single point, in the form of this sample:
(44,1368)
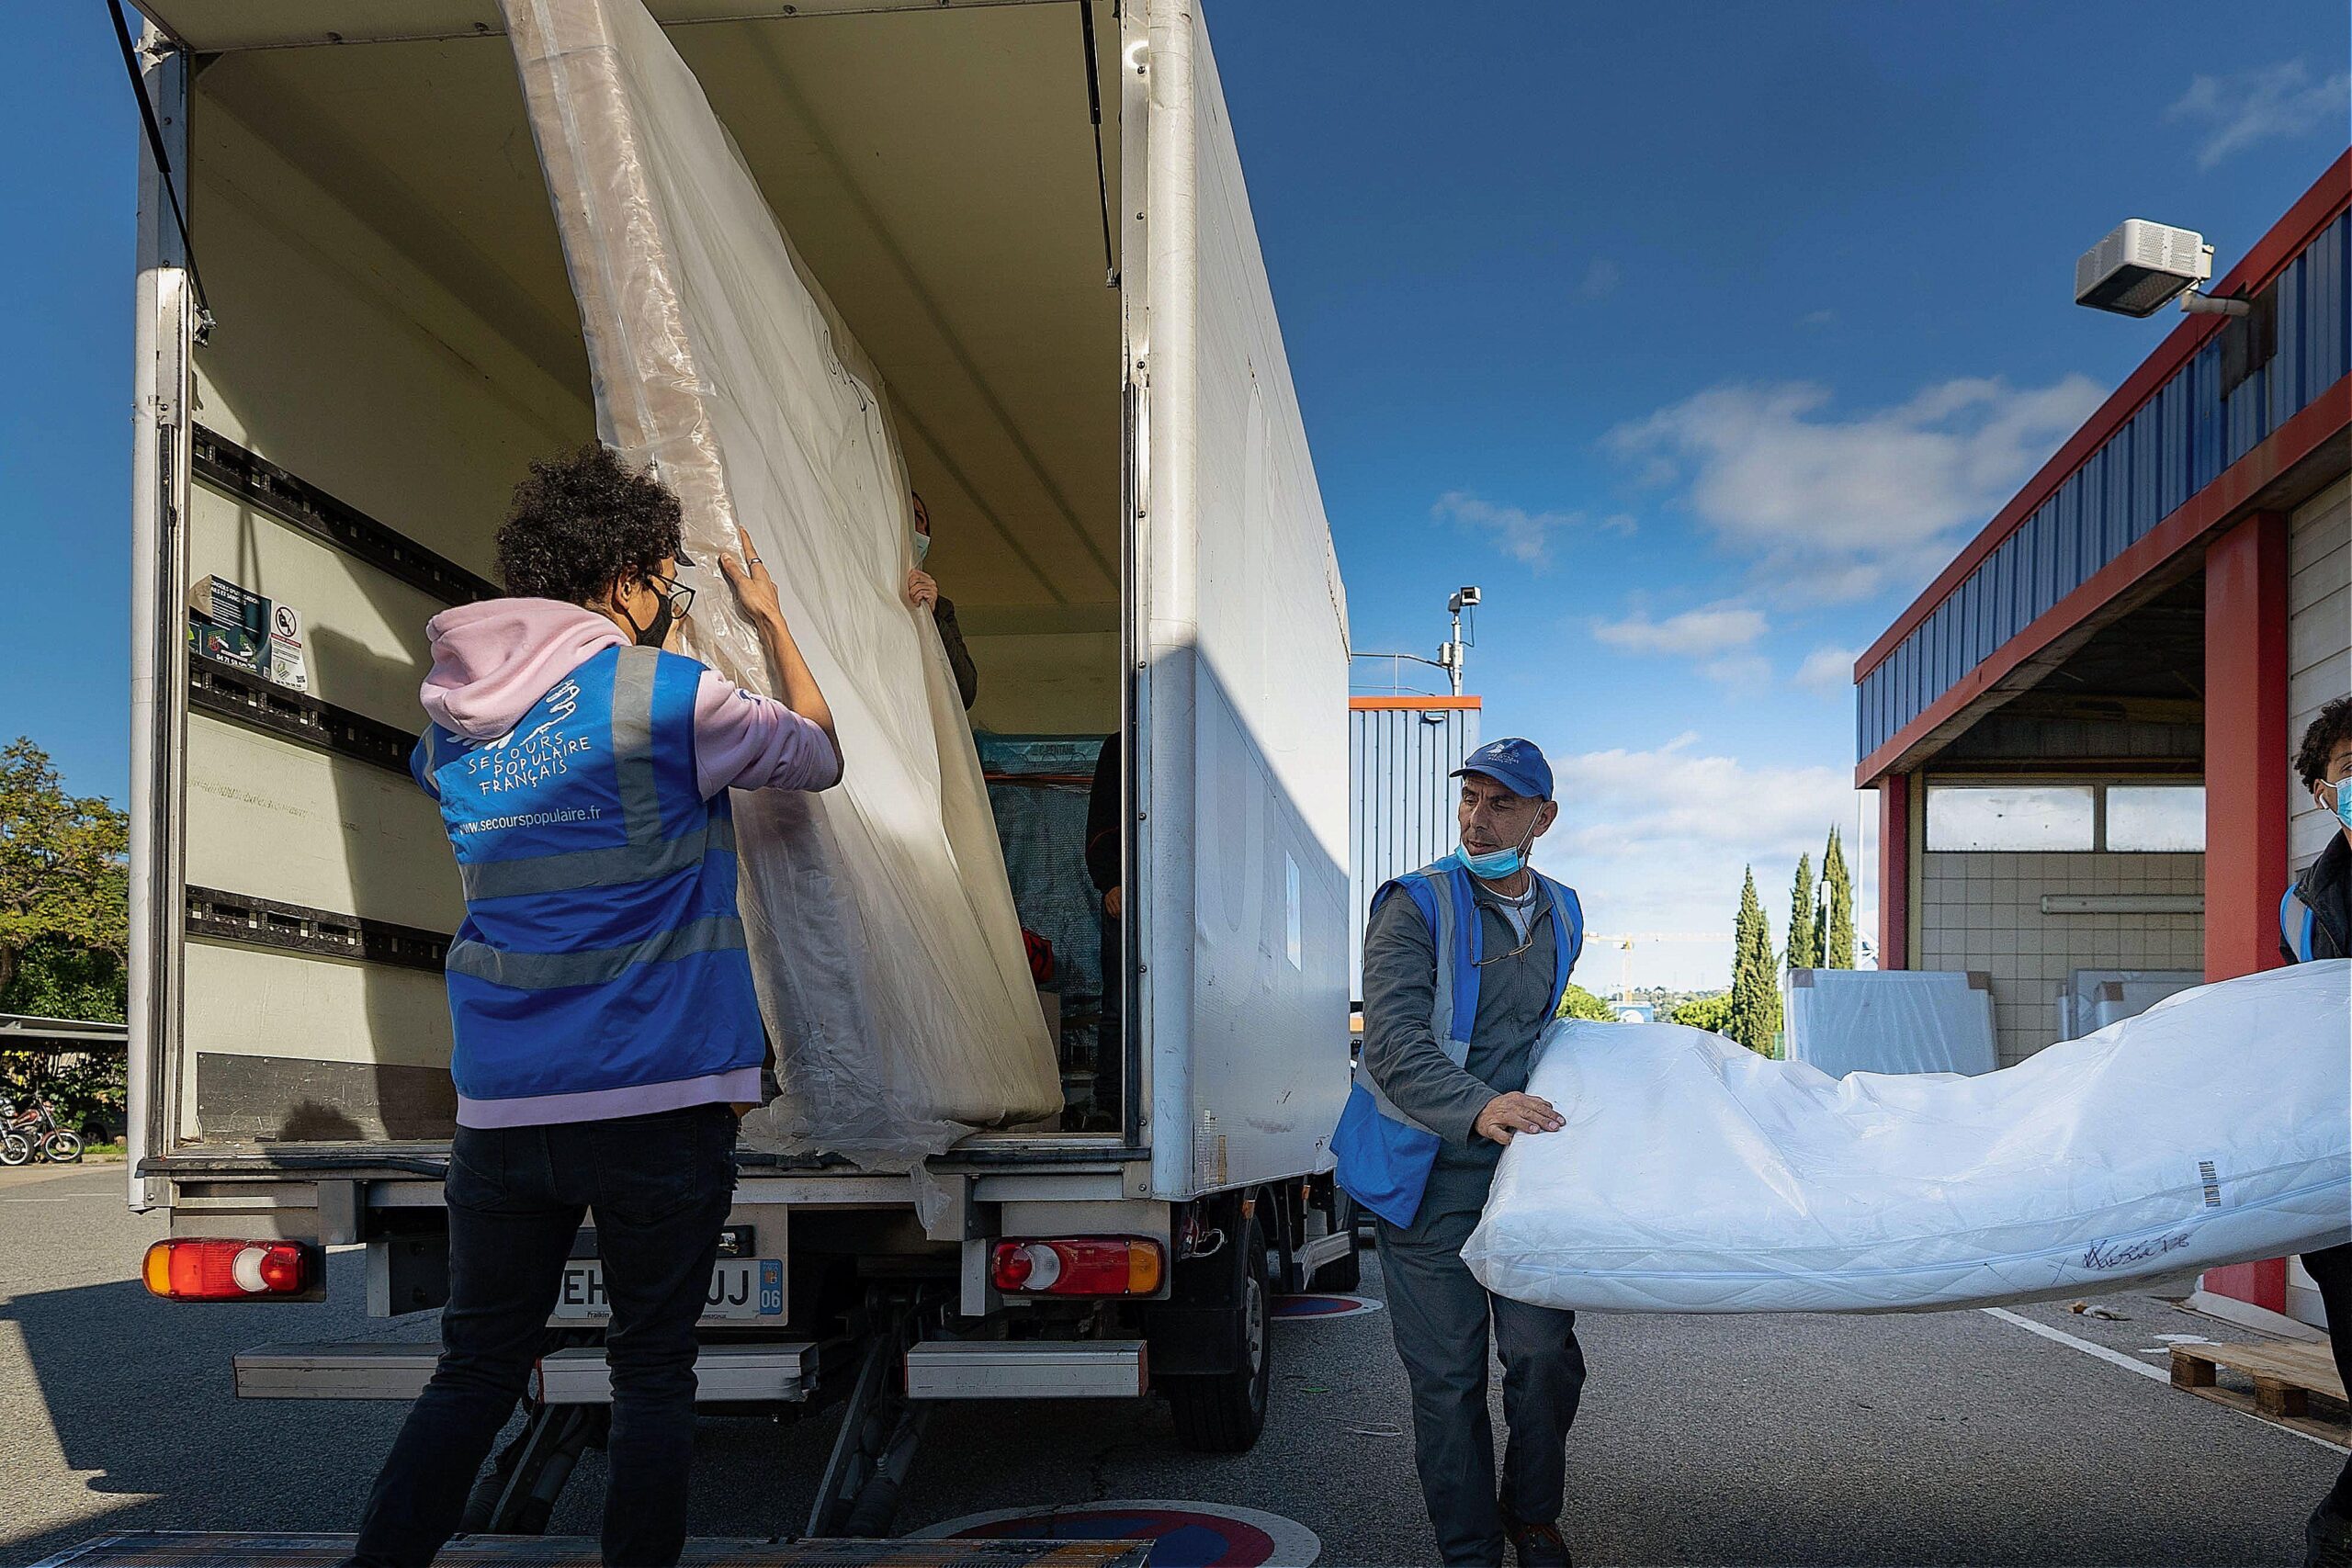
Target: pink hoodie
(493,659)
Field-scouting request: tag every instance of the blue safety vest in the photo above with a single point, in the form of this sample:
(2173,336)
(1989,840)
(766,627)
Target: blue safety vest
(1384,1157)
(601,947)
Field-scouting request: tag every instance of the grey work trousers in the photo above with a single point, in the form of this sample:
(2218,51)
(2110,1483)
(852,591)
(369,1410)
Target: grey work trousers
(1439,1313)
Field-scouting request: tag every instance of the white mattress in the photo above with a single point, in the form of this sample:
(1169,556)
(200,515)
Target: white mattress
(884,939)
(1696,1176)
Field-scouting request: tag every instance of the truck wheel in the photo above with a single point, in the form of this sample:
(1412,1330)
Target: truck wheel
(1223,1413)
(1347,1274)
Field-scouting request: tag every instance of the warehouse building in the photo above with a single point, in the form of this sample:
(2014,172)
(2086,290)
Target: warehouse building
(2081,734)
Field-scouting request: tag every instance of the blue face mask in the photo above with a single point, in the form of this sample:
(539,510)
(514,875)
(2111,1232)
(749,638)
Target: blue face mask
(922,548)
(1492,867)
(2344,801)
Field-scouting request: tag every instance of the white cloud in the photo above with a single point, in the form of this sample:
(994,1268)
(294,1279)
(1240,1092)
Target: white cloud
(1600,279)
(1695,634)
(1655,841)
(1817,318)
(1520,534)
(1828,670)
(2245,107)
(1832,508)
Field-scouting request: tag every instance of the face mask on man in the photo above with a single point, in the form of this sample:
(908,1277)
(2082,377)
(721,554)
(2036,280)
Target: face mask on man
(922,548)
(2343,788)
(1495,864)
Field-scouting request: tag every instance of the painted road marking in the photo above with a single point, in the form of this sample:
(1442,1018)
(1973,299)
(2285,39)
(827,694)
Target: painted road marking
(1185,1535)
(1323,1306)
(2118,1359)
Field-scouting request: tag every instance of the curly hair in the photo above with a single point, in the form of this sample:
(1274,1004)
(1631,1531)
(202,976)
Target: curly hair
(2329,730)
(584,522)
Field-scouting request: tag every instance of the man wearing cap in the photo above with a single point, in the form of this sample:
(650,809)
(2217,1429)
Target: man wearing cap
(1465,962)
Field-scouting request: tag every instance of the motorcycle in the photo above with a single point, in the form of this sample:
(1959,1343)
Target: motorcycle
(33,1133)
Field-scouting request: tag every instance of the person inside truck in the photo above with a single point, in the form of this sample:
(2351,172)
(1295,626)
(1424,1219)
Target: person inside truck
(600,993)
(2316,921)
(923,593)
(1464,961)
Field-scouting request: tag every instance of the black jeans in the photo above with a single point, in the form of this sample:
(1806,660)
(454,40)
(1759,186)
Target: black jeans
(660,1186)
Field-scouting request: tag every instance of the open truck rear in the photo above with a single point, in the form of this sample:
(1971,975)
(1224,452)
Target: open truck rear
(1090,379)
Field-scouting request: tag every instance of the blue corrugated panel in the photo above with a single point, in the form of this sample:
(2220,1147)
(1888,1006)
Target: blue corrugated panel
(2175,445)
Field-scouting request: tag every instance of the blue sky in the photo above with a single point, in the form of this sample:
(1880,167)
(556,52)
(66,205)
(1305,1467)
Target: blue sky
(1697,335)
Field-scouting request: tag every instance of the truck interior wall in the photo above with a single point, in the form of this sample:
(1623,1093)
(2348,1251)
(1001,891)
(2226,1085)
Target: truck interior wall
(1249,633)
(395,328)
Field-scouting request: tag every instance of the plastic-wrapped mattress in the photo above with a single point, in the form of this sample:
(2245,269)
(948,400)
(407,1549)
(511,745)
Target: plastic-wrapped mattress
(884,942)
(1696,1176)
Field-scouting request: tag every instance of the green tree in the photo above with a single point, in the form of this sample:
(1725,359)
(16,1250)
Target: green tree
(64,872)
(1754,1013)
(1577,1002)
(1710,1013)
(1803,953)
(1836,947)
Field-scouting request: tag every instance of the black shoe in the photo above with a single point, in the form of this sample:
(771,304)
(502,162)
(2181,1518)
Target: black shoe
(1541,1546)
(2327,1539)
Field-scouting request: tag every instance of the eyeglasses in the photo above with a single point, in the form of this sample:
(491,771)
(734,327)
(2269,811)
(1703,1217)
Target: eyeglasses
(681,598)
(1532,926)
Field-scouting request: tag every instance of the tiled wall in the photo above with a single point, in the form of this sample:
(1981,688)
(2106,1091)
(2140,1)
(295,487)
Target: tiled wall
(1984,912)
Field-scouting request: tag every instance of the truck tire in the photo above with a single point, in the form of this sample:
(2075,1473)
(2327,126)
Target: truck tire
(1222,1413)
(1347,1274)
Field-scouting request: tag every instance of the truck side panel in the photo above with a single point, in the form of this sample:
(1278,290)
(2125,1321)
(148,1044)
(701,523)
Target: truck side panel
(1247,686)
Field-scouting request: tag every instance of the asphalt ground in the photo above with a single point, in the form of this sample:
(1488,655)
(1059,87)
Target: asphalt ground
(1932,1438)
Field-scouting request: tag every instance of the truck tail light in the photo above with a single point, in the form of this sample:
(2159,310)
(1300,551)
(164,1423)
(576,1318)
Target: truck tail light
(202,1269)
(1116,1267)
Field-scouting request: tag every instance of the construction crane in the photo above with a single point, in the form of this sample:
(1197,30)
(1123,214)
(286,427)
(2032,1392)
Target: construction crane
(1624,945)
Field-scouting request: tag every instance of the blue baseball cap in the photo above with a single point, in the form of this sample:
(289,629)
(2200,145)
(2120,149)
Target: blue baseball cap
(1514,763)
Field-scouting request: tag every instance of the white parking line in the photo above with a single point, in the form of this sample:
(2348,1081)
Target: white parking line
(2117,1358)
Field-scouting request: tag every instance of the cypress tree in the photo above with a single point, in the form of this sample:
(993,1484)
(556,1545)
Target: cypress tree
(1755,976)
(1802,954)
(1837,908)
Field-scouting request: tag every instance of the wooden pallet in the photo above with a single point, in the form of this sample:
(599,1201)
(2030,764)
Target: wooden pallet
(2285,1375)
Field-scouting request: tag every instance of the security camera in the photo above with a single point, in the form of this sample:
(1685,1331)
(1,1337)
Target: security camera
(1463,599)
(2144,266)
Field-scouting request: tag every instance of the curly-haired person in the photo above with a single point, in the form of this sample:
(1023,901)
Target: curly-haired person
(2316,921)
(600,993)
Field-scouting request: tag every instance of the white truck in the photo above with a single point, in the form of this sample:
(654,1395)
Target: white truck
(1032,215)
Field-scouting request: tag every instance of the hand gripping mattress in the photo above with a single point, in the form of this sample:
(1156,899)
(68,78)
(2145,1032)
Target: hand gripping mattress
(884,942)
(1696,1176)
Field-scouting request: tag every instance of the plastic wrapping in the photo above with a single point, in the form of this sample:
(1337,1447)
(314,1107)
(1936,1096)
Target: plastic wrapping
(883,936)
(1039,786)
(1891,1020)
(1696,1176)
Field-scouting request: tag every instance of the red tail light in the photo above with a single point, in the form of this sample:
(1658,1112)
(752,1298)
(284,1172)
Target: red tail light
(201,1269)
(1115,1267)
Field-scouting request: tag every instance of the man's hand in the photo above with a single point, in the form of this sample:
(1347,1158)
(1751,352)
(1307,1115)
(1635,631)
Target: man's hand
(1113,903)
(1507,1115)
(923,593)
(754,589)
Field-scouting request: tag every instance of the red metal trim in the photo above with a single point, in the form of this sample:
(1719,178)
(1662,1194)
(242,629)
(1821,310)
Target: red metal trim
(2256,1285)
(2245,745)
(1895,871)
(2315,211)
(1368,705)
(2327,416)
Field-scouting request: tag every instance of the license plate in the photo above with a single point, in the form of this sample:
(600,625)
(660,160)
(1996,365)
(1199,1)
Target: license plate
(740,1287)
